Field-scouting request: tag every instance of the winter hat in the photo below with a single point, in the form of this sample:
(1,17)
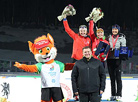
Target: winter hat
(116,27)
(82,27)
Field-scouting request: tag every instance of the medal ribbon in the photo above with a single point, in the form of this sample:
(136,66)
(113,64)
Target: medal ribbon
(115,40)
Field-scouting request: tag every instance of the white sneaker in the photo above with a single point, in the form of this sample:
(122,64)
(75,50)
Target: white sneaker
(112,98)
(118,98)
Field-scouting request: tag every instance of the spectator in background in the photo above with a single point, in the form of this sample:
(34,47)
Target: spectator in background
(116,40)
(88,77)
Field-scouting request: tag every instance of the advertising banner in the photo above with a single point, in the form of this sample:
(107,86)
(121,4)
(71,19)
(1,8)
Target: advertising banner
(28,88)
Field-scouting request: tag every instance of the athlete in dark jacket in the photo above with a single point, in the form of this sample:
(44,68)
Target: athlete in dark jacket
(116,41)
(88,77)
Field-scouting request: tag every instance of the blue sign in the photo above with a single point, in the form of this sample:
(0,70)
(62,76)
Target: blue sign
(123,50)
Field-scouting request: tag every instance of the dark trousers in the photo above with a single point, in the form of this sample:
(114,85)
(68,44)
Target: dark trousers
(89,97)
(103,64)
(114,68)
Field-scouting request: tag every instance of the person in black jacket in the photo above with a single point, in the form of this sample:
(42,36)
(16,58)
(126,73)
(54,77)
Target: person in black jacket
(88,77)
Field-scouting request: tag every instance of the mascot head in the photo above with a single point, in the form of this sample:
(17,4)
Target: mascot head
(43,49)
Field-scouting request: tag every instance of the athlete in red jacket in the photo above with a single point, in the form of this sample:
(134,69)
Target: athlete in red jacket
(81,39)
(96,41)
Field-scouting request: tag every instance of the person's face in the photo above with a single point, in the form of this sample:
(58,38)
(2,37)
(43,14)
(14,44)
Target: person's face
(100,34)
(114,31)
(87,53)
(83,32)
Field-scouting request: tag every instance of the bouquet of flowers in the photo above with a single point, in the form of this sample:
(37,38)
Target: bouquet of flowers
(68,11)
(96,15)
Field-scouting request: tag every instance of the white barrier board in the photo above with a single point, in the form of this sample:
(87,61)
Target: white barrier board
(28,89)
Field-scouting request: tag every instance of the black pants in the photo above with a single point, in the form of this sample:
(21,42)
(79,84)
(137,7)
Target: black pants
(103,64)
(114,68)
(89,97)
(55,92)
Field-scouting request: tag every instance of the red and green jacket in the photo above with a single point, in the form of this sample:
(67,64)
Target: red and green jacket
(95,42)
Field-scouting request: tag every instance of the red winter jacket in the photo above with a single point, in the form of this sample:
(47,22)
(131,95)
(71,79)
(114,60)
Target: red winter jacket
(79,41)
(95,43)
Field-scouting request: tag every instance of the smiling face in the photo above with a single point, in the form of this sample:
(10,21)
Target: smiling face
(87,53)
(46,54)
(83,30)
(100,33)
(115,31)
(43,48)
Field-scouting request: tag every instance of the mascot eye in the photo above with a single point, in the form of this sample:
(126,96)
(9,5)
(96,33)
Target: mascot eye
(48,48)
(40,51)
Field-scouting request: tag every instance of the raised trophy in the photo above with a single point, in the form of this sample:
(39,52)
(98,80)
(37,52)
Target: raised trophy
(68,11)
(96,15)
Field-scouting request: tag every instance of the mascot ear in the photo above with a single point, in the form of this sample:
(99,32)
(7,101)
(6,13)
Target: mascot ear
(31,46)
(50,38)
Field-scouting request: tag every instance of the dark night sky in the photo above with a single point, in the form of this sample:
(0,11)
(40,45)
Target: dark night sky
(122,12)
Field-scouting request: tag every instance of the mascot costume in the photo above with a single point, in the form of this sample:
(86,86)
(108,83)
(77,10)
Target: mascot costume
(48,68)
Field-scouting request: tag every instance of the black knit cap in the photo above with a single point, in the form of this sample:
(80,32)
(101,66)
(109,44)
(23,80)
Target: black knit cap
(116,27)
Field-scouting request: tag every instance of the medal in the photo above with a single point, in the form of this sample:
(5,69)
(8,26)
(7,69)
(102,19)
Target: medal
(94,49)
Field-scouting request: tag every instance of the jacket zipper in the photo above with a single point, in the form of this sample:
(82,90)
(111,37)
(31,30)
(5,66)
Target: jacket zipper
(88,79)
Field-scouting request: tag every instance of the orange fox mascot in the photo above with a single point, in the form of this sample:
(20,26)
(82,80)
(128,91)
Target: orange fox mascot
(49,69)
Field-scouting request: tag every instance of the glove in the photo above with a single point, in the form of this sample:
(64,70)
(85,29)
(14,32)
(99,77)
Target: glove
(68,11)
(96,15)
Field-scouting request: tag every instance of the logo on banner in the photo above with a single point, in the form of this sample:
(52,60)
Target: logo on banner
(5,91)
(69,93)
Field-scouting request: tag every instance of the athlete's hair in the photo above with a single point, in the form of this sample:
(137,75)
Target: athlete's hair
(86,47)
